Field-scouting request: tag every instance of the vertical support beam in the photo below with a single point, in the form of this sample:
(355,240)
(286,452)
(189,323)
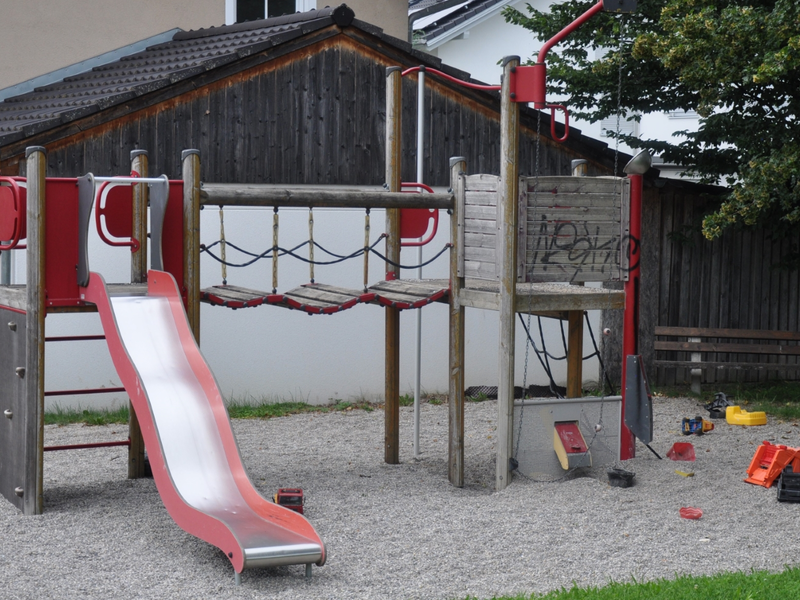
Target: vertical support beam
(575,319)
(393,151)
(190,160)
(575,355)
(630,318)
(455,446)
(139,165)
(34,368)
(507,199)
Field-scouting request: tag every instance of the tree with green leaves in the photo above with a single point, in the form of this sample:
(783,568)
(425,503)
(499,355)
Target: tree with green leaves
(735,62)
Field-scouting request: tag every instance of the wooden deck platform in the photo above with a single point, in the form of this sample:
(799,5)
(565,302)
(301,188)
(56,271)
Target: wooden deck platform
(542,298)
(16,297)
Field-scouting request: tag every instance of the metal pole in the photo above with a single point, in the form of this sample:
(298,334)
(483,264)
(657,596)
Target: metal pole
(392,385)
(5,267)
(141,193)
(630,319)
(420,169)
(507,199)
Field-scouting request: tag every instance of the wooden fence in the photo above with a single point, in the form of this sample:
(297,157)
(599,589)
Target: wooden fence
(687,281)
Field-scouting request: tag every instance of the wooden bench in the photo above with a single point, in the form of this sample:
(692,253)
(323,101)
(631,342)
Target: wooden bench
(700,348)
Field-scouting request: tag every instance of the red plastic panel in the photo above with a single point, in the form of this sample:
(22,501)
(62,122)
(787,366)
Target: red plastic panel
(13,219)
(418,226)
(114,214)
(61,242)
(172,236)
(571,437)
(528,84)
(414,222)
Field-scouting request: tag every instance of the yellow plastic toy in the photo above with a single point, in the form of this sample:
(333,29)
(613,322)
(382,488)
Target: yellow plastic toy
(734,415)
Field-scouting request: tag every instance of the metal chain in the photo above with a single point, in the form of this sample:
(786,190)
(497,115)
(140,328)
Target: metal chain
(536,164)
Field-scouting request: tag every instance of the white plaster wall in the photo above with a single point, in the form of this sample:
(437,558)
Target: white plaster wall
(480,51)
(40,36)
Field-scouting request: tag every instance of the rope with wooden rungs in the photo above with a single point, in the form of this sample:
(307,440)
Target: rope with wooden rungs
(275,251)
(311,244)
(366,251)
(222,244)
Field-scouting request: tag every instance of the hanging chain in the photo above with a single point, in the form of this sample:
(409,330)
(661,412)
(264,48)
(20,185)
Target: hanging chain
(311,243)
(536,163)
(275,250)
(224,267)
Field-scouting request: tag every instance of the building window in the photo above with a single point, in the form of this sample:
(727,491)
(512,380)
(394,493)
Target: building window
(683,114)
(625,127)
(237,11)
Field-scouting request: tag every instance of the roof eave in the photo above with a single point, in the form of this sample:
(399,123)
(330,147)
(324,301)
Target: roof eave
(466,25)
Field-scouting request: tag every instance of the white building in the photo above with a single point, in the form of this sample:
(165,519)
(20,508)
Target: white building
(474,36)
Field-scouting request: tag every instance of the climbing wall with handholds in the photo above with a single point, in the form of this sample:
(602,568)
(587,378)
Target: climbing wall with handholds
(15,455)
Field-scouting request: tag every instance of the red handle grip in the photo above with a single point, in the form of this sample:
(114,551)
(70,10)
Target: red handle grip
(553,108)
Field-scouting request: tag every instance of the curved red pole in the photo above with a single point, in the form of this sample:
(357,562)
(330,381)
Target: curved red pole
(568,29)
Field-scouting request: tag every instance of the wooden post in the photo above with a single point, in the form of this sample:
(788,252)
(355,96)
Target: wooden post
(139,164)
(507,256)
(190,160)
(393,150)
(575,319)
(34,369)
(575,355)
(458,166)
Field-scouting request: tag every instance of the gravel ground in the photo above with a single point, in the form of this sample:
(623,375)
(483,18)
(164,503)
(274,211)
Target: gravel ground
(401,531)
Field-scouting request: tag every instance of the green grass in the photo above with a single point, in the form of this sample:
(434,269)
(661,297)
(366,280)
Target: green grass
(780,399)
(65,416)
(238,408)
(758,585)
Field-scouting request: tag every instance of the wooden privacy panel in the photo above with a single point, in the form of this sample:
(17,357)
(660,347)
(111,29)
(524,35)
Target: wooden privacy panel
(575,228)
(570,228)
(479,214)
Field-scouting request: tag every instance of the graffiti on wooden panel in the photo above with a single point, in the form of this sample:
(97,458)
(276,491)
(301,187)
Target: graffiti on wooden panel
(577,250)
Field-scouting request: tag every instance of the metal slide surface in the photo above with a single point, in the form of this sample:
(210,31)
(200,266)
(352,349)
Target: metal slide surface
(190,444)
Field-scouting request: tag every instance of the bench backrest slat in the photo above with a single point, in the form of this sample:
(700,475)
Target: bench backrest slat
(743,334)
(732,348)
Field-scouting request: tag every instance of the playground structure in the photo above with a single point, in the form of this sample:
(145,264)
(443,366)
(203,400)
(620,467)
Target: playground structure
(513,245)
(178,411)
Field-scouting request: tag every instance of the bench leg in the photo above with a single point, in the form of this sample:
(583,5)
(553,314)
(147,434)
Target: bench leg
(697,374)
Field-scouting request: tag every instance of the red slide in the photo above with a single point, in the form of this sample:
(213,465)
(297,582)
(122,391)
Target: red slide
(193,453)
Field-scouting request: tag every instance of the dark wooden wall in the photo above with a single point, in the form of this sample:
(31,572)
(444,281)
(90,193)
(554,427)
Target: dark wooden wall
(687,281)
(316,115)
